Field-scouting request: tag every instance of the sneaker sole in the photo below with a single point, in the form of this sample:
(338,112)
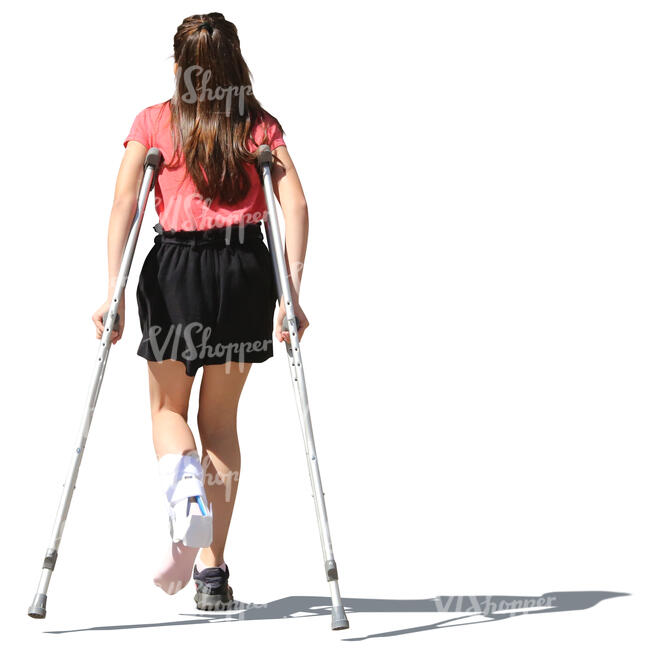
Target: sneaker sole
(211,602)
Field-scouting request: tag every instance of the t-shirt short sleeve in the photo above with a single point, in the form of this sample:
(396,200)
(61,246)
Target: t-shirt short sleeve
(140,130)
(274,135)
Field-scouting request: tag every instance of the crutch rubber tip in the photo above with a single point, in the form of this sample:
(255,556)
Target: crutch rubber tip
(264,155)
(154,158)
(37,610)
(339,620)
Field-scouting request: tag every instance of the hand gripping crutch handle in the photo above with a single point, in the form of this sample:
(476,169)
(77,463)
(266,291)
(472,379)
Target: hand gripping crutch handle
(296,368)
(116,324)
(110,319)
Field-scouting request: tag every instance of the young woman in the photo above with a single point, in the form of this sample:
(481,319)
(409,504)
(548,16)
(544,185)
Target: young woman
(206,293)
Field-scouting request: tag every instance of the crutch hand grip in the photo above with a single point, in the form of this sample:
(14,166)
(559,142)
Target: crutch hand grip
(285,324)
(115,324)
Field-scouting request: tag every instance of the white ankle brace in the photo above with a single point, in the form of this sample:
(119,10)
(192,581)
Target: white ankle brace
(174,467)
(181,477)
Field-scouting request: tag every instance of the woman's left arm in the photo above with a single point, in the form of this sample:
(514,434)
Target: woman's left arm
(288,189)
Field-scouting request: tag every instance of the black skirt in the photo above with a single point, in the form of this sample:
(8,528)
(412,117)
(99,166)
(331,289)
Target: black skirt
(207,297)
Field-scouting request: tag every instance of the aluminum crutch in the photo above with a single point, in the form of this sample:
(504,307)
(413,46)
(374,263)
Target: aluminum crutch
(273,236)
(151,166)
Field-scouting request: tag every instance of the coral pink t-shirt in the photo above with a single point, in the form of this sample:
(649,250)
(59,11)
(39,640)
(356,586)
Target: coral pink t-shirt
(178,203)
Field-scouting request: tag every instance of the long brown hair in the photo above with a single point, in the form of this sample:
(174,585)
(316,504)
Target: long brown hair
(213,109)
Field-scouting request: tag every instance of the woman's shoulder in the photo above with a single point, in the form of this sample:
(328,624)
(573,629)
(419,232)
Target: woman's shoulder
(267,130)
(156,111)
(269,121)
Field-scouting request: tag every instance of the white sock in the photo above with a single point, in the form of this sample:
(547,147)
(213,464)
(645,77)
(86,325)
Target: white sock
(201,566)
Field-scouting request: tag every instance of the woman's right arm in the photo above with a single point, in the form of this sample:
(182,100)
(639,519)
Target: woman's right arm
(125,200)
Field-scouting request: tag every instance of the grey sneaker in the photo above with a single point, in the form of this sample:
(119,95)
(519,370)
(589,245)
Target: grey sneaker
(212,588)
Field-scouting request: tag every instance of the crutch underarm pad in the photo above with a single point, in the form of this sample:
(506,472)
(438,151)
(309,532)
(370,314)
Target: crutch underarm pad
(154,158)
(264,155)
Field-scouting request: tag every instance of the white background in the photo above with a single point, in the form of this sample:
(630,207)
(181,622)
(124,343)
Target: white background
(477,360)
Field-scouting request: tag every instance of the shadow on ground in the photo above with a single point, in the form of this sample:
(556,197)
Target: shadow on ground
(457,610)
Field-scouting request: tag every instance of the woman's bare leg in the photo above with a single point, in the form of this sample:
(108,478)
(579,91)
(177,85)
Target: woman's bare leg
(221,387)
(169,394)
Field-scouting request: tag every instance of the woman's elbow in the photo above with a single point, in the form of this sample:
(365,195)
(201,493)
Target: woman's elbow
(297,209)
(125,203)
